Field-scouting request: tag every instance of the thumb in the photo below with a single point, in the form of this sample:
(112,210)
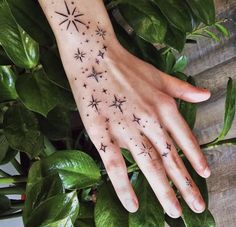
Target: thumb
(184,90)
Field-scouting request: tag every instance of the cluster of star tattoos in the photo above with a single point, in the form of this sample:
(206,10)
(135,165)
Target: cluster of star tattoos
(72,21)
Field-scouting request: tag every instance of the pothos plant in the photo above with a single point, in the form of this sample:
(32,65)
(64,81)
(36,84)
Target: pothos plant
(62,181)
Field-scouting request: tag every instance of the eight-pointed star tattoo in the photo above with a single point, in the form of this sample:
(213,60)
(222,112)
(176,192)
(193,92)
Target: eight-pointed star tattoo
(146,150)
(95,74)
(94,103)
(117,103)
(71,17)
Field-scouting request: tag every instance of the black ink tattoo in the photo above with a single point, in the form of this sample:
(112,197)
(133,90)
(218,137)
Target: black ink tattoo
(117,103)
(107,120)
(94,103)
(71,17)
(188,182)
(136,119)
(101,54)
(104,91)
(103,147)
(101,32)
(85,85)
(146,150)
(168,146)
(95,74)
(104,47)
(97,61)
(165,154)
(79,55)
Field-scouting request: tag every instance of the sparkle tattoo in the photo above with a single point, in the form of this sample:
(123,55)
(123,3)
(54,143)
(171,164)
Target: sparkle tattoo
(95,74)
(79,55)
(146,150)
(136,119)
(101,54)
(71,17)
(94,103)
(103,147)
(117,103)
(168,146)
(165,154)
(100,32)
(188,182)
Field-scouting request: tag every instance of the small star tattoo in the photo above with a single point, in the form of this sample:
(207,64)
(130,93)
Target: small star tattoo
(97,61)
(94,103)
(104,91)
(107,120)
(136,119)
(79,55)
(95,74)
(85,85)
(100,32)
(103,147)
(165,154)
(104,47)
(146,150)
(188,182)
(117,103)
(71,17)
(101,54)
(168,146)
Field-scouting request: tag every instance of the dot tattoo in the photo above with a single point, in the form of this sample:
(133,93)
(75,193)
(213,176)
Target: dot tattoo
(94,103)
(79,55)
(188,182)
(117,103)
(100,32)
(136,119)
(70,17)
(146,150)
(95,74)
(103,147)
(104,47)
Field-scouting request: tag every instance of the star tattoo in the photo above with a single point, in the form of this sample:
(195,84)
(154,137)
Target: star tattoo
(79,55)
(103,147)
(100,32)
(71,17)
(136,119)
(101,54)
(95,74)
(94,103)
(117,103)
(97,61)
(104,91)
(188,182)
(107,120)
(146,150)
(168,146)
(104,47)
(165,154)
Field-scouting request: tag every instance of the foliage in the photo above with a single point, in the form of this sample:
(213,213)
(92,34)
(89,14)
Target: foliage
(63,185)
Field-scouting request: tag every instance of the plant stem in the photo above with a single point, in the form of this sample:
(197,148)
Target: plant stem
(17,166)
(4,174)
(13,180)
(133,168)
(15,190)
(222,142)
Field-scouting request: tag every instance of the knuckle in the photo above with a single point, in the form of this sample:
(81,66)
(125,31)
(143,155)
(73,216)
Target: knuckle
(114,167)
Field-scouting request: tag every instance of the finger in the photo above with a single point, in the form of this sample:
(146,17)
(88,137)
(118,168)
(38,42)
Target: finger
(117,171)
(150,164)
(183,90)
(183,136)
(175,168)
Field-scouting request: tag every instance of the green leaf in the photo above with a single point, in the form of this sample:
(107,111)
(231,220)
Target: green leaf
(203,9)
(36,92)
(54,70)
(86,210)
(174,222)
(212,35)
(7,84)
(180,64)
(18,45)
(150,212)
(76,169)
(22,131)
(192,219)
(229,109)
(55,211)
(31,18)
(146,21)
(128,156)
(4,59)
(84,223)
(6,153)
(187,109)
(108,209)
(223,30)
(5,204)
(177,13)
(39,190)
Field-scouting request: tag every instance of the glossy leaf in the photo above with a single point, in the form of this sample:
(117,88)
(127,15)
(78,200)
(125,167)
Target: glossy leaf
(22,131)
(55,211)
(203,9)
(128,156)
(180,64)
(108,209)
(177,13)
(76,169)
(189,110)
(31,18)
(150,212)
(229,109)
(6,153)
(191,218)
(221,28)
(36,92)
(146,21)
(7,84)
(19,46)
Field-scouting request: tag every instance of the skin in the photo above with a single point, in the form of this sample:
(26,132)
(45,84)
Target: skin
(125,102)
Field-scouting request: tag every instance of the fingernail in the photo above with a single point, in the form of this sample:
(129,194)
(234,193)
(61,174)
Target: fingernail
(207,172)
(199,204)
(175,210)
(131,205)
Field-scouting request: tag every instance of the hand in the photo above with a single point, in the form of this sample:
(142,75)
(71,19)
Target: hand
(128,103)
